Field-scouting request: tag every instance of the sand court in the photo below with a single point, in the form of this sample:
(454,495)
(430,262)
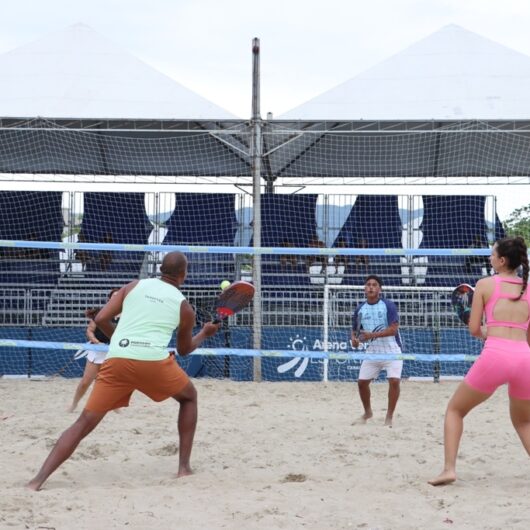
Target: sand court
(269,455)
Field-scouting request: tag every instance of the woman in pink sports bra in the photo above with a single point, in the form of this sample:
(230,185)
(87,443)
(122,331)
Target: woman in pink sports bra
(505,358)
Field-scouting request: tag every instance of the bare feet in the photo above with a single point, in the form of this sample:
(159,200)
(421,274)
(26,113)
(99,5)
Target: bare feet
(33,485)
(184,471)
(367,415)
(388,421)
(71,408)
(444,478)
(364,418)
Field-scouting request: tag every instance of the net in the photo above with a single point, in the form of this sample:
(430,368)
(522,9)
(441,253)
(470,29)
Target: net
(78,246)
(305,336)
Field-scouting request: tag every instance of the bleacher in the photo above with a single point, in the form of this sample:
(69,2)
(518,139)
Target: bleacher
(107,218)
(32,282)
(454,222)
(288,221)
(374,222)
(204,219)
(115,218)
(43,221)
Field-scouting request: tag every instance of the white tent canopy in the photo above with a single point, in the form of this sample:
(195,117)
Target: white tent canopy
(77,73)
(453,74)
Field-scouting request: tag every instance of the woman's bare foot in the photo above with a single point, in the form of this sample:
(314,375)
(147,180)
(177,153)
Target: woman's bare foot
(388,421)
(33,485)
(444,478)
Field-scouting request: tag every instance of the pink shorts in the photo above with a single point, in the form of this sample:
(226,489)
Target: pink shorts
(502,361)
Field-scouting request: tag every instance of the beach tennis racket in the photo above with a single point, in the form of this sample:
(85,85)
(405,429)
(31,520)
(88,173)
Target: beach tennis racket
(363,344)
(357,332)
(233,299)
(461,300)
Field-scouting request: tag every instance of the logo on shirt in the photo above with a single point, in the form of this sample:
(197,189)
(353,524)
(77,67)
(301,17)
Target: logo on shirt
(154,299)
(124,343)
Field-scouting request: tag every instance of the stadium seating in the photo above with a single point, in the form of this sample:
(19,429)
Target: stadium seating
(287,221)
(30,216)
(374,222)
(204,219)
(115,218)
(454,222)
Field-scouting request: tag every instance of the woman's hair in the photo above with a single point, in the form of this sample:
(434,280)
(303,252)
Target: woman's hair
(93,311)
(514,250)
(112,292)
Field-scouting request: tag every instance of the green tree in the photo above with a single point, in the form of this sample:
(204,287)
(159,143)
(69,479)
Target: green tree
(518,224)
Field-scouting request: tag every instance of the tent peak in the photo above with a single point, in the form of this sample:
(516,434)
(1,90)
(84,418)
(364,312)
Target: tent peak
(78,73)
(450,74)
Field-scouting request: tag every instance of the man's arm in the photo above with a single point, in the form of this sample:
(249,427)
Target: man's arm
(390,331)
(186,342)
(112,309)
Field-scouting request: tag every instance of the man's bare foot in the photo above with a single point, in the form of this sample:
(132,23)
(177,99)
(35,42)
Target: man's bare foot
(184,471)
(364,418)
(388,421)
(71,408)
(367,415)
(444,478)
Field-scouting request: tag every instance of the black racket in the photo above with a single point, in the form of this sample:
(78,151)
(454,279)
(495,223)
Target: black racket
(233,299)
(461,300)
(357,332)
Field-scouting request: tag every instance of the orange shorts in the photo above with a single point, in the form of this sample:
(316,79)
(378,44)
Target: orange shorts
(118,378)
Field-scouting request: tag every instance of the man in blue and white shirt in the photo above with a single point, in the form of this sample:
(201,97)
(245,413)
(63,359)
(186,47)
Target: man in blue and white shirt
(375,323)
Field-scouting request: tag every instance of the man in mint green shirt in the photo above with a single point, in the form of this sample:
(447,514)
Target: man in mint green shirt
(138,359)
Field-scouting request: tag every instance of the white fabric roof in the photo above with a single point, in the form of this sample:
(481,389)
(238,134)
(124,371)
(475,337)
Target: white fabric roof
(77,73)
(451,74)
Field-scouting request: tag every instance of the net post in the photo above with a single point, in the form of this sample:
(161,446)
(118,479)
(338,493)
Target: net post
(256,193)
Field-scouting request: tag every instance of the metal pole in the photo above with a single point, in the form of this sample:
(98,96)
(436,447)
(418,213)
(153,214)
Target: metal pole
(70,256)
(255,155)
(156,255)
(410,239)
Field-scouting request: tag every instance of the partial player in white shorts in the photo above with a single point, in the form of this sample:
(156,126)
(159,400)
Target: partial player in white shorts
(96,357)
(371,369)
(375,323)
